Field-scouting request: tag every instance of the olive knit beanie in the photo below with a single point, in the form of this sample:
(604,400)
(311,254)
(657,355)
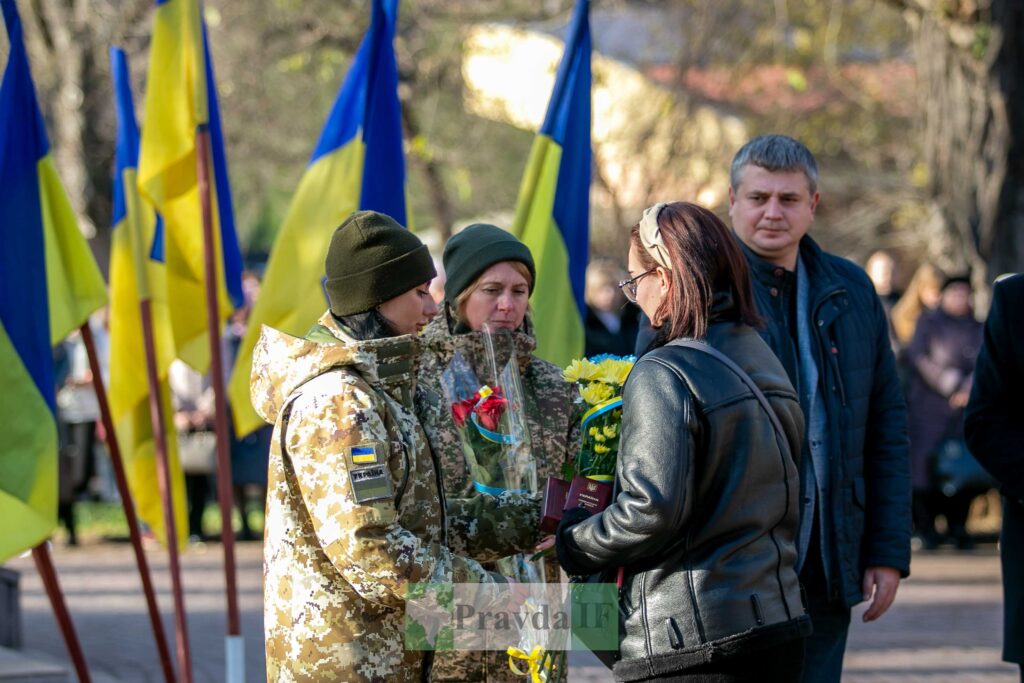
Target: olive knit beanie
(373,259)
(475,249)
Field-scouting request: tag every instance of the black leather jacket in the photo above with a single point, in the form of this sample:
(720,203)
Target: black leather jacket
(707,512)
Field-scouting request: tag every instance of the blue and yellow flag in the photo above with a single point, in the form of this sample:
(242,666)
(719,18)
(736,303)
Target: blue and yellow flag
(49,284)
(180,101)
(357,164)
(135,276)
(553,211)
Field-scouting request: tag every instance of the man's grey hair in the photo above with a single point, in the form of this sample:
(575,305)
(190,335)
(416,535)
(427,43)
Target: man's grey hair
(775,153)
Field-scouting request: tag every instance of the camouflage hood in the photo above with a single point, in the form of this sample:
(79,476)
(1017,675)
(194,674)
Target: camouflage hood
(282,363)
(439,340)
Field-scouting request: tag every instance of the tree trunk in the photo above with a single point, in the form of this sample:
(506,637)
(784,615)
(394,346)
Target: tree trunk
(970,67)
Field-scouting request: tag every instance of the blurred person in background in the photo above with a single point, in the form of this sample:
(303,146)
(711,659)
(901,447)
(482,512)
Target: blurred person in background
(78,412)
(193,403)
(941,358)
(612,322)
(922,294)
(881,268)
(437,284)
(994,427)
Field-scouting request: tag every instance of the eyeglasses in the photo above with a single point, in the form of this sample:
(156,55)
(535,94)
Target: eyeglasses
(628,287)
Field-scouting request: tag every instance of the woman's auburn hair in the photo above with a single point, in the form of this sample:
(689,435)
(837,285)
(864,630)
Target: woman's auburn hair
(459,305)
(705,258)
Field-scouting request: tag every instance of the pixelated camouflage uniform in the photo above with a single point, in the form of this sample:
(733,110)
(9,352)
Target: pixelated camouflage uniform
(553,419)
(339,550)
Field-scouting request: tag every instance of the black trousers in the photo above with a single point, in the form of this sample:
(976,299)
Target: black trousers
(780,664)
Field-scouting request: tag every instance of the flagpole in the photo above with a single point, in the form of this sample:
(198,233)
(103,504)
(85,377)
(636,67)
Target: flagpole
(114,448)
(44,565)
(163,477)
(233,642)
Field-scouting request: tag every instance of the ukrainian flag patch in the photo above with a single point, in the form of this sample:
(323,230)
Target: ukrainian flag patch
(364,455)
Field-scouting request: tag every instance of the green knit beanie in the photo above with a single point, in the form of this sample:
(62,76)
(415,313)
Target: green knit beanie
(475,249)
(373,259)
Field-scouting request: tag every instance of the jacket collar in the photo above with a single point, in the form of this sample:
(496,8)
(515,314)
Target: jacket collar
(723,307)
(439,338)
(282,363)
(822,277)
(765,273)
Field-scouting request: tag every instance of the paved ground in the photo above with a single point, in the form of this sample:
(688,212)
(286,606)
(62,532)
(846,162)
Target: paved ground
(945,627)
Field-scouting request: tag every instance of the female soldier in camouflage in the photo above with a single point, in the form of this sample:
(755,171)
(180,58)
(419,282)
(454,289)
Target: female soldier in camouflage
(354,510)
(490,277)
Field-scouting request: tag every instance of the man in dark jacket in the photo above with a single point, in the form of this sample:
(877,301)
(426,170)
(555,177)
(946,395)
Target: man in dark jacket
(828,327)
(994,427)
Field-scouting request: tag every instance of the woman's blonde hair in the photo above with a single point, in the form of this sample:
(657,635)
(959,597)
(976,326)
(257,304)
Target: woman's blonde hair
(911,305)
(459,305)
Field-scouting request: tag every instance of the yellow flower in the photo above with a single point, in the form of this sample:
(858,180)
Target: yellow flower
(596,392)
(599,437)
(610,431)
(614,372)
(579,370)
(601,450)
(592,431)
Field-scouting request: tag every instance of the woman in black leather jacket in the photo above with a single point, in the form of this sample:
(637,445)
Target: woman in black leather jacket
(706,512)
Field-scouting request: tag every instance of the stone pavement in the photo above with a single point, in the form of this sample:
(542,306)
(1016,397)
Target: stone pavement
(104,595)
(946,625)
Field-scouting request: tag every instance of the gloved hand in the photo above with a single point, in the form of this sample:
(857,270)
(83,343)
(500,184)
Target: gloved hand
(566,556)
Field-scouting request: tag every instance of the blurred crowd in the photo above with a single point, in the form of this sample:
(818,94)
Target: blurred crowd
(936,338)
(85,472)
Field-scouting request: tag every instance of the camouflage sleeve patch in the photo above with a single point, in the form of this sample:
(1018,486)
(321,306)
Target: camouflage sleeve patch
(366,454)
(370,483)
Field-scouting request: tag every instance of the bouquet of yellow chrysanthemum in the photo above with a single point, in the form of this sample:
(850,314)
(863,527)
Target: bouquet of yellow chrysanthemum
(587,479)
(600,380)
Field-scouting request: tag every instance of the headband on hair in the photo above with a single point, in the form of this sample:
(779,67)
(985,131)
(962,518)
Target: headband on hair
(650,236)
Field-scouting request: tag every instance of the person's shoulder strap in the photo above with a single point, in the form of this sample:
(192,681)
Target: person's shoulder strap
(704,347)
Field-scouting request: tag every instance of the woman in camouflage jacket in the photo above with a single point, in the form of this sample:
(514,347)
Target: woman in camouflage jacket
(355,513)
(490,277)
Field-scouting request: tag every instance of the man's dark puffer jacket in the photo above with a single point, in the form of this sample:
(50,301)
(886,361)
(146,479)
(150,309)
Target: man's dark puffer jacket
(707,513)
(867,518)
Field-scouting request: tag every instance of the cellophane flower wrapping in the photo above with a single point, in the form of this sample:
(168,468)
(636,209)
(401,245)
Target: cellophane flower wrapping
(488,410)
(600,380)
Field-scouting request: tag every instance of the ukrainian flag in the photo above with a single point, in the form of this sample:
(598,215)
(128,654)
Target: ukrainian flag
(135,276)
(553,211)
(181,100)
(49,284)
(357,164)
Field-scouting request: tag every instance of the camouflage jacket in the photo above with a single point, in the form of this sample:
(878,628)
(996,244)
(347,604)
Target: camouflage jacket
(354,510)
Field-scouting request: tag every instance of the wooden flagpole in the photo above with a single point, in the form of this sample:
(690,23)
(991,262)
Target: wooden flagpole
(234,644)
(163,477)
(128,504)
(44,565)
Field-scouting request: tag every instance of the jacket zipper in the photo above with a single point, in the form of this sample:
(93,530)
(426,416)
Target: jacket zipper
(440,495)
(826,349)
